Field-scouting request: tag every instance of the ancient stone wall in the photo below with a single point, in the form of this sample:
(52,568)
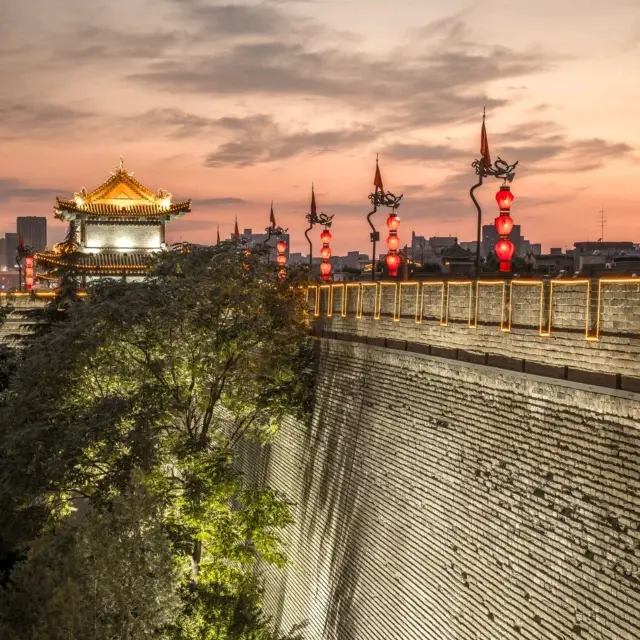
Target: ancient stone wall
(586,326)
(442,500)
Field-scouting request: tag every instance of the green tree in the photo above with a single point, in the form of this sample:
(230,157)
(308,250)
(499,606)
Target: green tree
(68,285)
(111,575)
(158,382)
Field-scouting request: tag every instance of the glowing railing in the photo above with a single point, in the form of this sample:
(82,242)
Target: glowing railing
(406,300)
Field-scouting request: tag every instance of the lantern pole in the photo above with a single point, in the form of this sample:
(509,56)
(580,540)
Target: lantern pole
(281,245)
(380,198)
(306,233)
(499,169)
(374,236)
(479,234)
(313,218)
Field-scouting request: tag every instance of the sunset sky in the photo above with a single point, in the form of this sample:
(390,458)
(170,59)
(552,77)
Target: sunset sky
(235,104)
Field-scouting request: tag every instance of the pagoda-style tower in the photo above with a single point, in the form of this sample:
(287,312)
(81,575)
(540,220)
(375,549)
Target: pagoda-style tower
(114,229)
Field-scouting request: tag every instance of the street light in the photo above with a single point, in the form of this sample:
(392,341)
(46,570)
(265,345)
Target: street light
(313,218)
(281,246)
(393,242)
(502,170)
(325,254)
(504,224)
(380,198)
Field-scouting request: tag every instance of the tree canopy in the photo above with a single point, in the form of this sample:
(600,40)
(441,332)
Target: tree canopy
(123,513)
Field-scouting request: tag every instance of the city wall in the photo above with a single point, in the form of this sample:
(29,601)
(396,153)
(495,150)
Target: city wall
(580,329)
(461,496)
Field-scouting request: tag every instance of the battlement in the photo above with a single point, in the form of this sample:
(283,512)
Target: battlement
(590,326)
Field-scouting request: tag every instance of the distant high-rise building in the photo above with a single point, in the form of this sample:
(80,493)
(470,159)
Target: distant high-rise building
(3,251)
(33,231)
(10,250)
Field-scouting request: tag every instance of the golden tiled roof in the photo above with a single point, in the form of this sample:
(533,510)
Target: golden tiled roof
(97,263)
(120,197)
(113,210)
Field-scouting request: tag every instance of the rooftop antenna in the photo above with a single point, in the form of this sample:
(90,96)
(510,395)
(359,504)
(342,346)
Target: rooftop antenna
(603,221)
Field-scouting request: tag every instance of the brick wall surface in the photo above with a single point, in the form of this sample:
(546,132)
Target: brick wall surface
(437,501)
(593,326)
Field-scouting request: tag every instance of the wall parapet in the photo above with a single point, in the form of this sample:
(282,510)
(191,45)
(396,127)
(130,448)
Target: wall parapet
(583,324)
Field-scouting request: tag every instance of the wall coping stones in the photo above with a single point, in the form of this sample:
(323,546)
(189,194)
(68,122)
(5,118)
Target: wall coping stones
(594,382)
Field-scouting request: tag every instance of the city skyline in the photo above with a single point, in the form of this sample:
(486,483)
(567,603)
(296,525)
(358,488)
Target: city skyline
(238,104)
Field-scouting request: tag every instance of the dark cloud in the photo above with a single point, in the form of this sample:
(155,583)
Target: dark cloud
(539,146)
(266,50)
(218,202)
(532,154)
(588,155)
(422,152)
(234,19)
(263,50)
(543,146)
(99,44)
(20,118)
(12,190)
(270,143)
(279,67)
(177,123)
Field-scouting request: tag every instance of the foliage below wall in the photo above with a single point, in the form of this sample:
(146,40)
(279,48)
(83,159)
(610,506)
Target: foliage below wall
(122,515)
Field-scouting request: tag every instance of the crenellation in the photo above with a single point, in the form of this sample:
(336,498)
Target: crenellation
(573,339)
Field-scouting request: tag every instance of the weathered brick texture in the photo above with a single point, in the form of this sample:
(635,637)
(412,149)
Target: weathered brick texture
(438,500)
(594,326)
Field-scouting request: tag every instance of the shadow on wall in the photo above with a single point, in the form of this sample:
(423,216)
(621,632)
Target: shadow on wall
(332,490)
(330,504)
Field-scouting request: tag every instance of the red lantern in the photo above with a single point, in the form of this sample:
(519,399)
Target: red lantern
(325,254)
(393,242)
(504,253)
(28,272)
(393,222)
(504,224)
(281,258)
(504,197)
(393,262)
(325,236)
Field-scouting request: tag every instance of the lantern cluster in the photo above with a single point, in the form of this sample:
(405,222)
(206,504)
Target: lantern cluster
(325,254)
(281,258)
(393,243)
(504,224)
(28,272)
